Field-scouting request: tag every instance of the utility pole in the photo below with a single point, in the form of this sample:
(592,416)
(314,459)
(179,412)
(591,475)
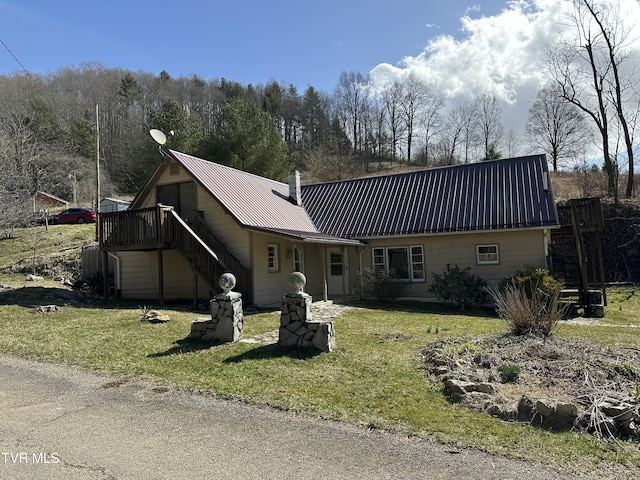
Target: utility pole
(97,175)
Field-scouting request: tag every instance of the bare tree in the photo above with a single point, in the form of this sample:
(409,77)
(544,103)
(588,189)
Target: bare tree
(352,94)
(459,133)
(431,122)
(556,127)
(458,122)
(415,95)
(488,113)
(616,36)
(511,143)
(587,68)
(378,134)
(391,99)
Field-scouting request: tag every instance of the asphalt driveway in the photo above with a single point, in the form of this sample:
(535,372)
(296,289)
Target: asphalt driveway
(65,423)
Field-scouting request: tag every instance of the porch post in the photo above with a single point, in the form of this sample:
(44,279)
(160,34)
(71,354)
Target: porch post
(105,274)
(160,278)
(325,293)
(345,278)
(195,289)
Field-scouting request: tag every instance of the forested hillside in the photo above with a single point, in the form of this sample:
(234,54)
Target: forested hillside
(50,127)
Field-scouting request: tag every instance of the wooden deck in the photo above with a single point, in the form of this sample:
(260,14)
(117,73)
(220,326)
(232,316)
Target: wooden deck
(160,228)
(142,229)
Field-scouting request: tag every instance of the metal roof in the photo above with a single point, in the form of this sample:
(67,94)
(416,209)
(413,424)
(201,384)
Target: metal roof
(252,200)
(492,195)
(255,202)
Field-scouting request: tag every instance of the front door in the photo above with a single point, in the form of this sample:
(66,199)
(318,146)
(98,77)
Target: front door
(337,272)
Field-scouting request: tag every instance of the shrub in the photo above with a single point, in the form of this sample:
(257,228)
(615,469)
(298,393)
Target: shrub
(95,282)
(460,287)
(509,372)
(380,287)
(532,279)
(534,312)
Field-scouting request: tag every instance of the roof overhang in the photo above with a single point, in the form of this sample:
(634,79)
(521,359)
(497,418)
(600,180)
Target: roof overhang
(459,232)
(308,237)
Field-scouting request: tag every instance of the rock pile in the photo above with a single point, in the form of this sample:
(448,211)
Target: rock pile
(614,414)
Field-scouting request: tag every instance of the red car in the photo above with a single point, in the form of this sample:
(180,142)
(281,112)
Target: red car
(75,215)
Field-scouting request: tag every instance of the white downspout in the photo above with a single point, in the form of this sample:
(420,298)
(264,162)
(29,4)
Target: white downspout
(366,248)
(117,278)
(547,241)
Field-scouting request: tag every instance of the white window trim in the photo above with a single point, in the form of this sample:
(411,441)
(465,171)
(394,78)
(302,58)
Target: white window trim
(410,263)
(480,261)
(276,260)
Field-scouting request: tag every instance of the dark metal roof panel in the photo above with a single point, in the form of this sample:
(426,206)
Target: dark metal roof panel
(500,194)
(252,200)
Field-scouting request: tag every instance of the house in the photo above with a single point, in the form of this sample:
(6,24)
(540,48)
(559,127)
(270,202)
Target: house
(195,219)
(44,201)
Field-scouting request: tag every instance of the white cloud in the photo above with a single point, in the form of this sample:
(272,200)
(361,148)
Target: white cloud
(472,8)
(500,55)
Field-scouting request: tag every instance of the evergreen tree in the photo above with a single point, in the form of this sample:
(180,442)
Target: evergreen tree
(247,140)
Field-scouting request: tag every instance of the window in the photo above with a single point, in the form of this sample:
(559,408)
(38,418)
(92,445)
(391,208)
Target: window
(272,257)
(378,259)
(398,263)
(487,254)
(401,263)
(298,263)
(335,264)
(417,263)
(182,196)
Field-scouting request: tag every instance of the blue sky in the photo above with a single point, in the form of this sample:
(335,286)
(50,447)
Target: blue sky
(249,41)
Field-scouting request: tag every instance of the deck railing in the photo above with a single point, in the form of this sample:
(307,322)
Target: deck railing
(132,229)
(161,227)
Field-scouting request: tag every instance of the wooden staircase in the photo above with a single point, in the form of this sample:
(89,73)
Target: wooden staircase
(160,228)
(581,235)
(206,254)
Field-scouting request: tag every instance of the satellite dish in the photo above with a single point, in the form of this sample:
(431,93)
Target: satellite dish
(158,136)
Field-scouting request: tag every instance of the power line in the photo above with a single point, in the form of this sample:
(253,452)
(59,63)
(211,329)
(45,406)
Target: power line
(14,57)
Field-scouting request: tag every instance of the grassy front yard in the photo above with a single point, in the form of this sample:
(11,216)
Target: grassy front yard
(374,379)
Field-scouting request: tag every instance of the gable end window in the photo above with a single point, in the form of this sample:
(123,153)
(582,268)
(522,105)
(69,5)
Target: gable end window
(272,257)
(487,254)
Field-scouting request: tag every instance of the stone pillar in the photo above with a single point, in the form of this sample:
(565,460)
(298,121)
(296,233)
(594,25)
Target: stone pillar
(227,317)
(297,328)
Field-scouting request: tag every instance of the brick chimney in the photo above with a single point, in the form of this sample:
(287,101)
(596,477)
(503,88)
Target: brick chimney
(295,194)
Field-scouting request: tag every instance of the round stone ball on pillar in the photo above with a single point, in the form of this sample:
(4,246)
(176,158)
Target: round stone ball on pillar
(297,281)
(226,282)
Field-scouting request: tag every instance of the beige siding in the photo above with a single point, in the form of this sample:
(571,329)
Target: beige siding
(225,227)
(214,215)
(517,250)
(313,266)
(139,275)
(269,287)
(140,279)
